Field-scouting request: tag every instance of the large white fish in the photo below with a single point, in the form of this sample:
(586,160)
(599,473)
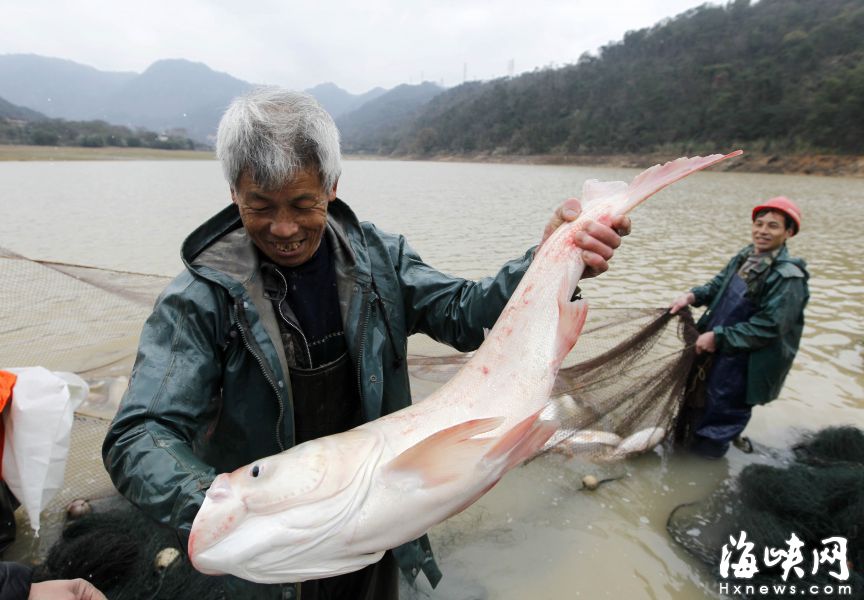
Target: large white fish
(336,504)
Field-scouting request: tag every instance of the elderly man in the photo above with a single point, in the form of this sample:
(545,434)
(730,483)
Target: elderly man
(752,326)
(290,323)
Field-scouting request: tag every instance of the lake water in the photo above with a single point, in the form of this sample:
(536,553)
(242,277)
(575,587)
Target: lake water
(536,535)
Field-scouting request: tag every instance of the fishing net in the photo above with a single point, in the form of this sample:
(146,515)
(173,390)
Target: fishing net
(128,557)
(617,394)
(96,338)
(817,495)
(620,391)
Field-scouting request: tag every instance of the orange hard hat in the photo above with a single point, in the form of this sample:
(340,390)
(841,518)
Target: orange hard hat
(784,205)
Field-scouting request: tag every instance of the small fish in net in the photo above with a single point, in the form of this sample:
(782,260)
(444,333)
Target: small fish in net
(623,388)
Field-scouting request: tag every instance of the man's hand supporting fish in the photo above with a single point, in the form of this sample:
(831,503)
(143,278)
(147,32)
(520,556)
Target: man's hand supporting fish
(335,504)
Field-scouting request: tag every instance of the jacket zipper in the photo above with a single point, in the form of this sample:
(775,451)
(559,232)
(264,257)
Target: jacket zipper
(290,323)
(362,345)
(264,370)
(397,357)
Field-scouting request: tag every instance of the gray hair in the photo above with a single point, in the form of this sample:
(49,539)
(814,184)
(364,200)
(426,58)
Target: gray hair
(272,134)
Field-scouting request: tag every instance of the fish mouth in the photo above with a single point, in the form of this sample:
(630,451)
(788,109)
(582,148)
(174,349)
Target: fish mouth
(219,515)
(220,489)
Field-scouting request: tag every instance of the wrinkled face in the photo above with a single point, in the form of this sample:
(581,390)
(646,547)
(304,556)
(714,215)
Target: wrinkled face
(286,224)
(769,231)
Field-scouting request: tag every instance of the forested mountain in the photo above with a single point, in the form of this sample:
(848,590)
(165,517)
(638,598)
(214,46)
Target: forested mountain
(175,94)
(170,95)
(774,76)
(87,134)
(18,113)
(377,124)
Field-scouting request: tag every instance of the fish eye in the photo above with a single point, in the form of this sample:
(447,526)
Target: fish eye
(255,471)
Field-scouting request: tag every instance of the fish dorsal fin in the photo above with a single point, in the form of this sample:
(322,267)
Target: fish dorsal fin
(443,455)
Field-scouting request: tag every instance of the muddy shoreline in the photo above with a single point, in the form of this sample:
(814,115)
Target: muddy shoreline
(750,162)
(835,165)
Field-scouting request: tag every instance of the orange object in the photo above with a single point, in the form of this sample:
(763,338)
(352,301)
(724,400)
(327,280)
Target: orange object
(7,382)
(784,205)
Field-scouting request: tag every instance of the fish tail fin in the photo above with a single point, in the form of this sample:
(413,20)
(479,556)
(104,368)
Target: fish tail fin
(652,180)
(522,442)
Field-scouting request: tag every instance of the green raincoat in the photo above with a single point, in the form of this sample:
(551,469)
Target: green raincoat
(773,333)
(209,391)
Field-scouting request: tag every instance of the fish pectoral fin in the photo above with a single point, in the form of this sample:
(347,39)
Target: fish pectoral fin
(571,320)
(523,441)
(443,456)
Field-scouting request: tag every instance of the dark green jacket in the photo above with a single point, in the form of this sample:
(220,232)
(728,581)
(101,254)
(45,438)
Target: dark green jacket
(773,333)
(209,391)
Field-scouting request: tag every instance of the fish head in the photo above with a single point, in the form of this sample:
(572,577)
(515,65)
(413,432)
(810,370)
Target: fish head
(290,500)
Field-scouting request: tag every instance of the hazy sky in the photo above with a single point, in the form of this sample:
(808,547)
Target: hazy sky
(357,44)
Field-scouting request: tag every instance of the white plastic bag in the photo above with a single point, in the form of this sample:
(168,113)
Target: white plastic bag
(38,427)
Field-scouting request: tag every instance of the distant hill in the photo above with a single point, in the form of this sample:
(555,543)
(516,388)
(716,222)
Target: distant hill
(18,113)
(56,87)
(337,101)
(174,94)
(772,76)
(379,124)
(88,134)
(171,95)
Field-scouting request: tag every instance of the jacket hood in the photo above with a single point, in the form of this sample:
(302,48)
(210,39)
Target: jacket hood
(791,261)
(220,249)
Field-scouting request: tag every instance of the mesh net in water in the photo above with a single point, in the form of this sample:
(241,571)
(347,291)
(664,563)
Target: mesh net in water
(83,320)
(817,495)
(71,317)
(620,391)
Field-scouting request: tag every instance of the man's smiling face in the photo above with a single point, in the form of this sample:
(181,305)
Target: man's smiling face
(769,231)
(286,224)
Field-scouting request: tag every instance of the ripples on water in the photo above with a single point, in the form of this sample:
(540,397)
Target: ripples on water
(536,535)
